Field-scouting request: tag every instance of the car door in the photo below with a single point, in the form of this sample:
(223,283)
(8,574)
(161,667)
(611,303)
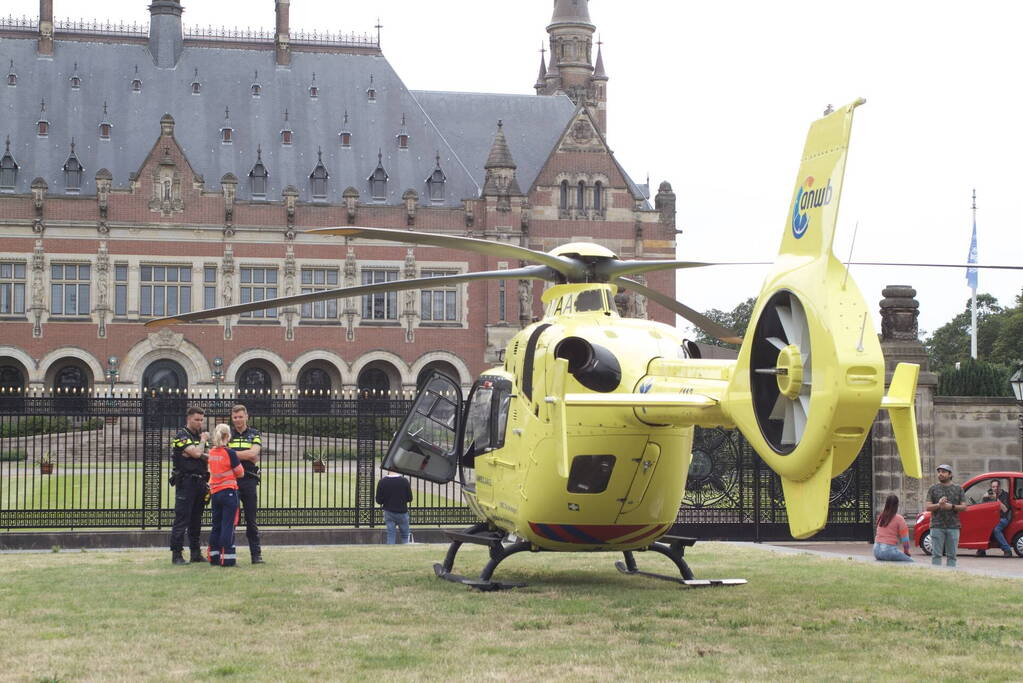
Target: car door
(426,446)
(979,519)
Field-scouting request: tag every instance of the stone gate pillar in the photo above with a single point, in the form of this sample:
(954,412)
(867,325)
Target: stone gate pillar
(900,344)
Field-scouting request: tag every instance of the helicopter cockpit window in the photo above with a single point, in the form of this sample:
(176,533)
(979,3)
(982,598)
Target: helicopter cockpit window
(425,445)
(590,473)
(590,300)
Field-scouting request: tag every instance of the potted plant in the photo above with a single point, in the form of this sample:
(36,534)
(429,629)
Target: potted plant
(319,463)
(46,463)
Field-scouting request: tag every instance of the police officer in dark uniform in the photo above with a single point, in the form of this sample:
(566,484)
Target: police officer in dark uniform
(247,443)
(189,476)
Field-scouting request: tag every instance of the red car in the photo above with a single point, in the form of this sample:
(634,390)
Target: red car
(980,518)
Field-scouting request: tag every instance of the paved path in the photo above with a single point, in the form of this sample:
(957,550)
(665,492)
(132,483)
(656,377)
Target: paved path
(967,561)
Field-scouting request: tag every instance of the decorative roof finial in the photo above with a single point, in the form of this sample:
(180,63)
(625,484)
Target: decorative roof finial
(104,107)
(285,114)
(259,152)
(42,106)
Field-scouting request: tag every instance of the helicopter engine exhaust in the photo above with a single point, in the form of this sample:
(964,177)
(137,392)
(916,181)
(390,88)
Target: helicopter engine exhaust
(593,366)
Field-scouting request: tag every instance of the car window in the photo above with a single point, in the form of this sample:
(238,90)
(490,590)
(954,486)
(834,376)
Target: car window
(1019,489)
(980,490)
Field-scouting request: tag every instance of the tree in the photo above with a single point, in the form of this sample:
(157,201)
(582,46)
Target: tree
(737,320)
(950,343)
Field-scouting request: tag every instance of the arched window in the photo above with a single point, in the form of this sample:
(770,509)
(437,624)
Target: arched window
(164,375)
(70,378)
(254,380)
(598,197)
(564,195)
(136,85)
(314,387)
(12,398)
(375,381)
(11,377)
(580,196)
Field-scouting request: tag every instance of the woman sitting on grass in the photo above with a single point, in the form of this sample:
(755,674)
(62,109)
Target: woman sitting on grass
(891,530)
(225,469)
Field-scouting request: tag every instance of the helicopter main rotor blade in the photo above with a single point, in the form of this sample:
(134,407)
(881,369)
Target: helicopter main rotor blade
(527,273)
(573,271)
(701,321)
(936,265)
(612,269)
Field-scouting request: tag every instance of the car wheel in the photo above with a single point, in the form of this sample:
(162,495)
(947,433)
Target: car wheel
(925,543)
(1017,544)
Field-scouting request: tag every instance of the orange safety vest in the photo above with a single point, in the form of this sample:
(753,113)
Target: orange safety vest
(222,475)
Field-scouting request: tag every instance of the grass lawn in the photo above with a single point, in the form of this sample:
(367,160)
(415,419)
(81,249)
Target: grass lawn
(378,613)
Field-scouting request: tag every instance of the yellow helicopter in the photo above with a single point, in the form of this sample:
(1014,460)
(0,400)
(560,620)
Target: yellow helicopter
(582,440)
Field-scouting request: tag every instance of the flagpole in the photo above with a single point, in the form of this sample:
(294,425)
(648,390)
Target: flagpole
(973,284)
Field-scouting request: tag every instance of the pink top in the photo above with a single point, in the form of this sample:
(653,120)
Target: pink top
(896,533)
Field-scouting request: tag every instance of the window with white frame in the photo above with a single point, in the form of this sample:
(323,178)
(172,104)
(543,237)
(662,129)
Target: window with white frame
(165,290)
(382,305)
(439,304)
(318,280)
(12,288)
(259,284)
(209,287)
(69,288)
(120,289)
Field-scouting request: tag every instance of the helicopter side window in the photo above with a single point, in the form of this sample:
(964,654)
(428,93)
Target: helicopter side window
(590,473)
(425,446)
(591,300)
(486,420)
(477,427)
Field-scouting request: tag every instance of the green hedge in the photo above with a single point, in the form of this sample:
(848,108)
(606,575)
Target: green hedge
(974,378)
(13,456)
(40,424)
(337,427)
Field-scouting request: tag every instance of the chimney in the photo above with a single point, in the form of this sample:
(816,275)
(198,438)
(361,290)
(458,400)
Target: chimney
(165,39)
(45,46)
(282,39)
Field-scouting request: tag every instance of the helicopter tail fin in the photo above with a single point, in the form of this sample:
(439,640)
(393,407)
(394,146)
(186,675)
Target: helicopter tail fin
(899,403)
(810,374)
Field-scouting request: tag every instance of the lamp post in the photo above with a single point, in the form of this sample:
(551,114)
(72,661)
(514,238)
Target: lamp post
(112,373)
(1016,382)
(218,372)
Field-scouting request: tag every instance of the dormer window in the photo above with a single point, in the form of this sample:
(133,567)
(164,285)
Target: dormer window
(371,93)
(256,90)
(346,139)
(318,179)
(314,90)
(76,82)
(73,170)
(196,87)
(43,128)
(435,184)
(286,137)
(136,85)
(104,131)
(402,134)
(12,78)
(8,170)
(226,135)
(258,177)
(378,180)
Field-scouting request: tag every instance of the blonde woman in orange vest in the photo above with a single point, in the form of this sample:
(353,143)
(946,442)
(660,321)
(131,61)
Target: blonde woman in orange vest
(225,469)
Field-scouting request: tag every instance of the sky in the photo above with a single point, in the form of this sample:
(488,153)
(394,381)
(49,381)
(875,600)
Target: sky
(716,98)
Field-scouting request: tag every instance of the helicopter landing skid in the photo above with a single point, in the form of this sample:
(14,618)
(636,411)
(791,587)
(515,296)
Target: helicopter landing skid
(479,535)
(673,547)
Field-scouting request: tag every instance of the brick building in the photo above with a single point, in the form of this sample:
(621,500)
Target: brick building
(152,170)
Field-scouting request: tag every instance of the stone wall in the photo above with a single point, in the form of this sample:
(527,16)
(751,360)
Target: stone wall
(977,434)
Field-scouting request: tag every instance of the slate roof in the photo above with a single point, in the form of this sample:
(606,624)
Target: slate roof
(460,126)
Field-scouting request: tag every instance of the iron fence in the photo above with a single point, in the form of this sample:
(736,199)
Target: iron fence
(72,461)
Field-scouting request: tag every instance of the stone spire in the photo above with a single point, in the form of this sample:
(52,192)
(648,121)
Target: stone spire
(541,80)
(165,39)
(500,168)
(598,71)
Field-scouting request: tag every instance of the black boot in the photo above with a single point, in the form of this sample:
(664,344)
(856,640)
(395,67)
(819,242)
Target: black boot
(981,553)
(197,556)
(257,558)
(177,557)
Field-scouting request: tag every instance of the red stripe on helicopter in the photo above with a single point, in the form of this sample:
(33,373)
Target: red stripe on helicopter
(657,530)
(588,534)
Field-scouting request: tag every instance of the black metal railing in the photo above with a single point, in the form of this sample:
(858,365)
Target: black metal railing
(84,460)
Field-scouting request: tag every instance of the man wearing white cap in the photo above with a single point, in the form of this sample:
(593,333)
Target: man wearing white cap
(944,502)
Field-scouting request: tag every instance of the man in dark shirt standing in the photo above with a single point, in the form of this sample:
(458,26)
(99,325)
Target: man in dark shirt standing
(189,477)
(1004,516)
(944,502)
(247,443)
(394,493)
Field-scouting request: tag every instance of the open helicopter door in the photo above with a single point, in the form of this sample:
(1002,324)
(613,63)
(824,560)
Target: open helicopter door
(425,446)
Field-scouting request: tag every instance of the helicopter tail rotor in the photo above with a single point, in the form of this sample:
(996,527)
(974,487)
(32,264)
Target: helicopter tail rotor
(810,378)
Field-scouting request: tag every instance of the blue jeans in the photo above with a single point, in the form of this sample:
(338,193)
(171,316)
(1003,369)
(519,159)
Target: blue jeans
(890,553)
(999,534)
(225,517)
(944,542)
(396,521)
